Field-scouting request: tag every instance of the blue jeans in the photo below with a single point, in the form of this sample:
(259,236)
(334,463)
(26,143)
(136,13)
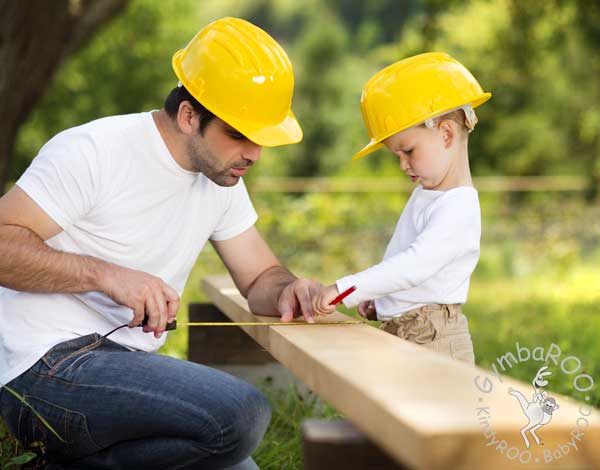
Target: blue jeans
(121,409)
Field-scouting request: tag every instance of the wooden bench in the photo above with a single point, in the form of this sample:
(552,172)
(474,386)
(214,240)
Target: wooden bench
(421,409)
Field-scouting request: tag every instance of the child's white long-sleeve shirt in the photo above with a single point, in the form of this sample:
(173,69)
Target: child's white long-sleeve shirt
(429,259)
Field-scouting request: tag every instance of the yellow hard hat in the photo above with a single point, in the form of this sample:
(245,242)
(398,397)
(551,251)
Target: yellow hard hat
(413,90)
(243,76)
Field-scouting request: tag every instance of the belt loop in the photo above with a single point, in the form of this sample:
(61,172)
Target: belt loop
(447,313)
(450,313)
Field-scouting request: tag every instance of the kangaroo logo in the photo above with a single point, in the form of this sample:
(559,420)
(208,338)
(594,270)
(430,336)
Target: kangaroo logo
(539,410)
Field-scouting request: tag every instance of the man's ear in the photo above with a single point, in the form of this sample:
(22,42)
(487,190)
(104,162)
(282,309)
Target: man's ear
(188,119)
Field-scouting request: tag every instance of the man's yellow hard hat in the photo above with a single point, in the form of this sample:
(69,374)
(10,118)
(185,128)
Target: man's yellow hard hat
(413,90)
(243,76)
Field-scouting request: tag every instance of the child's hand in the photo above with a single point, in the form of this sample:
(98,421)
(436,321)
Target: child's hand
(321,301)
(367,310)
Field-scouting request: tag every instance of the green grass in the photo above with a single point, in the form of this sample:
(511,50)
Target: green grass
(281,448)
(537,312)
(11,453)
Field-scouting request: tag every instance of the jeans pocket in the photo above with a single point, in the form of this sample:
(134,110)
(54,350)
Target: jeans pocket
(64,354)
(75,440)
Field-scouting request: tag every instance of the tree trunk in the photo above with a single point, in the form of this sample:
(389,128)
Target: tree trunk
(35,38)
(8,134)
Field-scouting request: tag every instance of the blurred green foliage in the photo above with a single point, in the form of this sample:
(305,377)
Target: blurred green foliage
(539,59)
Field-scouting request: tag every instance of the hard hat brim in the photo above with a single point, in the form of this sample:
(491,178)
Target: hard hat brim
(286,132)
(367,149)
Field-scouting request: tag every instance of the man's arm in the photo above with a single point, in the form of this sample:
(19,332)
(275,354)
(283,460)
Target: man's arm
(28,264)
(269,287)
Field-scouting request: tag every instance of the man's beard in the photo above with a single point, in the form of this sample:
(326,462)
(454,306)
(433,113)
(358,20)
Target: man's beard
(207,163)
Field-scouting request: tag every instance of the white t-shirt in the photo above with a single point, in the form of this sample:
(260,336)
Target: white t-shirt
(118,194)
(430,257)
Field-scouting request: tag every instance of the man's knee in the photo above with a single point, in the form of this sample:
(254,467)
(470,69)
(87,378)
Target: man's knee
(257,416)
(252,420)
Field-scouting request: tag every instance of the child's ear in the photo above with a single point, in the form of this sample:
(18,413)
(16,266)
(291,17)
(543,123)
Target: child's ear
(448,132)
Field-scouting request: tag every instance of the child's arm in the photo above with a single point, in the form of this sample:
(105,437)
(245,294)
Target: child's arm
(452,230)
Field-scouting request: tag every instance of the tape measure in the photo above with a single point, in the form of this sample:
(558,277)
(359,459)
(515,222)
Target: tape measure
(173,325)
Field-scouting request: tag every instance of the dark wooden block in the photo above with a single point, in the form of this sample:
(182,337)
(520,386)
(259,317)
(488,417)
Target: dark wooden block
(339,444)
(225,345)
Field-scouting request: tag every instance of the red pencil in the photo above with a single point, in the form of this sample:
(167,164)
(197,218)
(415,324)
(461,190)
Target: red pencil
(343,295)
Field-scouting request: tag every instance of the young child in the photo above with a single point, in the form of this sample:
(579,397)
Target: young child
(421,109)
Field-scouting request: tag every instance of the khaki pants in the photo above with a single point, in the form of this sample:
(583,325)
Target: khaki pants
(440,327)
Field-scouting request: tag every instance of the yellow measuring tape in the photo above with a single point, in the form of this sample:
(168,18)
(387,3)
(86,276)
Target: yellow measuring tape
(173,325)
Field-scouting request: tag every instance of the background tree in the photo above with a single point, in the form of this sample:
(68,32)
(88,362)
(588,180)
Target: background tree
(35,38)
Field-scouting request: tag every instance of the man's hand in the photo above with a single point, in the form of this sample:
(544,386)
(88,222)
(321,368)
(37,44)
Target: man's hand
(297,299)
(145,294)
(367,310)
(324,298)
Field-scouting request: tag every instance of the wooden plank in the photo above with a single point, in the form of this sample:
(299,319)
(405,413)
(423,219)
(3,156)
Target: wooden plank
(329,444)
(422,408)
(221,346)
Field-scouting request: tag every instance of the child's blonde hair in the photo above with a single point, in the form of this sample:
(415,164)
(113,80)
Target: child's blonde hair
(464,116)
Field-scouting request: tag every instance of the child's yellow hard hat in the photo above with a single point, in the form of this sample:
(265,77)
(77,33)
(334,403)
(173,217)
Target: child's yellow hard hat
(243,76)
(413,90)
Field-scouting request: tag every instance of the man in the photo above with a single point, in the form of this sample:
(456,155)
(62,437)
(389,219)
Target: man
(104,228)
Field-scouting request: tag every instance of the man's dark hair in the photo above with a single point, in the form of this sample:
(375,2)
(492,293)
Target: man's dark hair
(180,94)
